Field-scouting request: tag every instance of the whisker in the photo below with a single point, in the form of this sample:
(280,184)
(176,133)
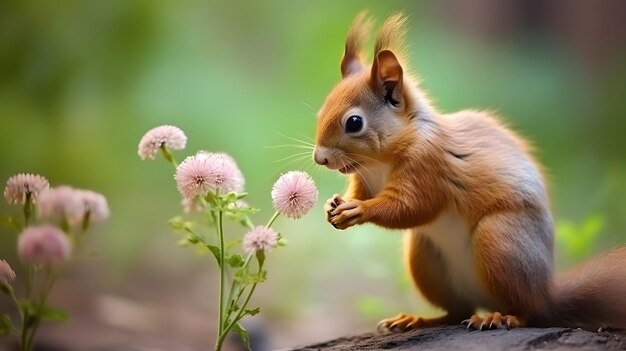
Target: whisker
(358,164)
(309,107)
(366,157)
(287,166)
(290,145)
(298,155)
(294,139)
(358,170)
(308,138)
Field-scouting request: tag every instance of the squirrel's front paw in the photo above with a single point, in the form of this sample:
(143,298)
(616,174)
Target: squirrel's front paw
(331,205)
(347,214)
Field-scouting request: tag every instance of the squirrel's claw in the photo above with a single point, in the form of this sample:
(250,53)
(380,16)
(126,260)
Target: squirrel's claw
(330,205)
(492,321)
(401,323)
(346,214)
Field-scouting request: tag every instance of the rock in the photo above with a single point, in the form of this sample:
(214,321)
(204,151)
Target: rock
(458,338)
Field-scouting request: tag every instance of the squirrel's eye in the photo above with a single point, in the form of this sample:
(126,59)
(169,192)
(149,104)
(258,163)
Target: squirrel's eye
(354,124)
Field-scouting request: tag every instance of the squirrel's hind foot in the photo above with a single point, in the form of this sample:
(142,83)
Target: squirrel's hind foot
(402,322)
(492,321)
(405,322)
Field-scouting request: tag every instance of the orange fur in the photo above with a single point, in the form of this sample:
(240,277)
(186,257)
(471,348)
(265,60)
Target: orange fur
(467,188)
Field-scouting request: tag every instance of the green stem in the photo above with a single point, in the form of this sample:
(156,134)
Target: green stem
(239,315)
(220,231)
(24,336)
(168,155)
(234,286)
(271,221)
(28,208)
(17,304)
(51,276)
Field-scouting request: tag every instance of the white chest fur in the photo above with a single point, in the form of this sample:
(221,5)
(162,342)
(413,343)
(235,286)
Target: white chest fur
(451,235)
(375,177)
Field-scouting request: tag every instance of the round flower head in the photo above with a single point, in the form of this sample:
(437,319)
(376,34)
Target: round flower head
(294,194)
(43,245)
(22,185)
(94,205)
(6,273)
(208,172)
(260,238)
(169,136)
(62,202)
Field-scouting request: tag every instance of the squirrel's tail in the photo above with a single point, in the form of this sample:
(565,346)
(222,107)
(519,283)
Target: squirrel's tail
(592,295)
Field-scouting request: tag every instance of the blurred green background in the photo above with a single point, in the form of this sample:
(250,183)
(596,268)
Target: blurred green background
(81,81)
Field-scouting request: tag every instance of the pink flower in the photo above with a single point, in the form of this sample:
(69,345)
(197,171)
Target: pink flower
(260,238)
(22,185)
(294,194)
(208,172)
(94,204)
(169,136)
(43,245)
(7,275)
(61,202)
(73,205)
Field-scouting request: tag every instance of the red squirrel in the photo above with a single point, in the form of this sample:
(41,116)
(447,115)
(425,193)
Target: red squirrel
(468,192)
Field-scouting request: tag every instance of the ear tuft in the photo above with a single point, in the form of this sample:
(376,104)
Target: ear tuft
(352,61)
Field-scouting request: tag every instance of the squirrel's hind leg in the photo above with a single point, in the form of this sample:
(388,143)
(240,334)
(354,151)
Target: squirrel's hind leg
(428,272)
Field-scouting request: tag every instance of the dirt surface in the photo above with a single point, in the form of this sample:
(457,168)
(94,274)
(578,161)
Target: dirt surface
(458,338)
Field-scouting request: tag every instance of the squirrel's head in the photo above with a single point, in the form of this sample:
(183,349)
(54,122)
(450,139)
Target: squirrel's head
(369,106)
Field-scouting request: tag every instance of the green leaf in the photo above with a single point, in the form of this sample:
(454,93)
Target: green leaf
(282,242)
(54,315)
(243,333)
(244,277)
(178,224)
(230,197)
(216,253)
(189,240)
(235,261)
(253,312)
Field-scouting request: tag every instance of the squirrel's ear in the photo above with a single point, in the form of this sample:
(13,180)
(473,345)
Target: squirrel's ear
(352,60)
(350,64)
(386,77)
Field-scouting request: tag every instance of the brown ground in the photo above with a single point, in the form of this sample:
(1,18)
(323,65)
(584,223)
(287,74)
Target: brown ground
(458,338)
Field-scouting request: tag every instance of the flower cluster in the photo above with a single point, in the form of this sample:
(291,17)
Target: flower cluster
(76,206)
(212,185)
(207,172)
(42,248)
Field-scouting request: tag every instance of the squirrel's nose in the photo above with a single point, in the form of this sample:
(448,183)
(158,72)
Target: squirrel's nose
(318,158)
